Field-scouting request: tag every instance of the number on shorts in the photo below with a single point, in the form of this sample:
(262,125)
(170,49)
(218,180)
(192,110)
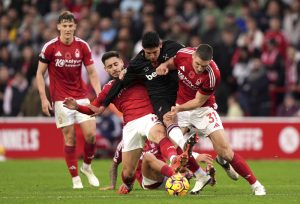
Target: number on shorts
(212,117)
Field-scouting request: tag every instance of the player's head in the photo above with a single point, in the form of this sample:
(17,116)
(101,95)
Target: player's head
(202,57)
(151,45)
(113,64)
(66,25)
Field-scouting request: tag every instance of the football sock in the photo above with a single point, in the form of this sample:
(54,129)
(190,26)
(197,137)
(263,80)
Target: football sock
(166,171)
(176,135)
(71,160)
(167,148)
(89,152)
(242,168)
(127,180)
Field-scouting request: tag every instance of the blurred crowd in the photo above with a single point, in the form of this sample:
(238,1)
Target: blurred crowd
(256,46)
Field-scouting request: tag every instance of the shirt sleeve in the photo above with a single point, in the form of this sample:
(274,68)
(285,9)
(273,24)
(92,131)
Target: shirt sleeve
(46,54)
(87,55)
(207,87)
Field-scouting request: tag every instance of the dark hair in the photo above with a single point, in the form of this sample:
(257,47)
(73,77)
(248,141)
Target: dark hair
(204,52)
(67,16)
(108,55)
(150,40)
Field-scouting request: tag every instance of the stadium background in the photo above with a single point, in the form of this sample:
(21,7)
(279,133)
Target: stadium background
(258,97)
(256,45)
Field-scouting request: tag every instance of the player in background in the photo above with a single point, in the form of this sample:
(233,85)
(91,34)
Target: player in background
(139,122)
(199,76)
(152,169)
(63,57)
(161,89)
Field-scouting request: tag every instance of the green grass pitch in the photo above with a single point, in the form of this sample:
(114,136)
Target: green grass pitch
(47,181)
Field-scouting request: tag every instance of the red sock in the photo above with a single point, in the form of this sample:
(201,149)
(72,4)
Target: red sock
(127,180)
(89,152)
(71,160)
(192,163)
(167,148)
(166,171)
(242,168)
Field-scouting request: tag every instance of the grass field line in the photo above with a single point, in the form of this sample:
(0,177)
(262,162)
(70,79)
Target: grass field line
(131,196)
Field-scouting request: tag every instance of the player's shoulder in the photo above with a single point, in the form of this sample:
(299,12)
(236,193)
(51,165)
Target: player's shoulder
(50,43)
(214,66)
(109,84)
(185,52)
(81,41)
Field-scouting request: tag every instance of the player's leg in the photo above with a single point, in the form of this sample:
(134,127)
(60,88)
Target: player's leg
(130,161)
(65,120)
(222,147)
(154,168)
(202,179)
(157,134)
(154,171)
(88,128)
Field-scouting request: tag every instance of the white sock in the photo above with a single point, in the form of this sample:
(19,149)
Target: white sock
(257,183)
(176,135)
(200,173)
(86,166)
(76,178)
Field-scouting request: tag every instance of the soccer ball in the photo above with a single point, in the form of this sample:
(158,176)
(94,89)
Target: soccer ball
(177,185)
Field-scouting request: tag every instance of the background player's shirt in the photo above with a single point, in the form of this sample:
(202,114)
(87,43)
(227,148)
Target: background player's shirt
(141,68)
(64,67)
(190,82)
(132,101)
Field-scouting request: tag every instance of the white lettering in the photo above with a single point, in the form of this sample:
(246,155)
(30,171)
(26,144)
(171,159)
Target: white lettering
(242,139)
(20,139)
(151,76)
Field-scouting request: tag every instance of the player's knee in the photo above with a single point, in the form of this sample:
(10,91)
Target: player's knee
(90,138)
(226,154)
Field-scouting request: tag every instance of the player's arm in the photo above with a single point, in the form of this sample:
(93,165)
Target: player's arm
(41,70)
(197,102)
(94,79)
(163,68)
(113,175)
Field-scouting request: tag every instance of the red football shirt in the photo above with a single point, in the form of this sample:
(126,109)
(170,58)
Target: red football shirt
(64,67)
(190,82)
(132,101)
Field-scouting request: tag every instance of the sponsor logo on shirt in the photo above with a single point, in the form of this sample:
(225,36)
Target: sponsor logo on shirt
(58,54)
(186,81)
(67,63)
(151,76)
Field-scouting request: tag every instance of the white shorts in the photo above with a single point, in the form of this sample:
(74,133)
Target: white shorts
(65,117)
(135,132)
(205,119)
(149,184)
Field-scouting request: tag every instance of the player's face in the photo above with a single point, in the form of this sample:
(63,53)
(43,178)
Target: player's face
(66,29)
(152,54)
(199,65)
(114,66)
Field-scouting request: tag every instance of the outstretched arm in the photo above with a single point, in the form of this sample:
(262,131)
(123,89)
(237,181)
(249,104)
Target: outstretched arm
(113,175)
(197,102)
(163,68)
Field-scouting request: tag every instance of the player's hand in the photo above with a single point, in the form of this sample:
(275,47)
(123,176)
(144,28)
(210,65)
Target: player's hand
(162,70)
(122,74)
(206,158)
(107,188)
(70,103)
(174,110)
(46,107)
(97,111)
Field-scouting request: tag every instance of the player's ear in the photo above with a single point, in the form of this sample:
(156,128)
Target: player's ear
(58,27)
